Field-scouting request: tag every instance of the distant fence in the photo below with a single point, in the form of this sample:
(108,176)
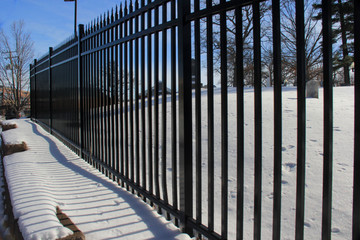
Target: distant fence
(93,92)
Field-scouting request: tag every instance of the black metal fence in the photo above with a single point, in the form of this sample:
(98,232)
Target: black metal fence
(100,93)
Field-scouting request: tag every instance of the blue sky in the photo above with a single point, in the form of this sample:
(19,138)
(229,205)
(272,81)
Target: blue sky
(50,21)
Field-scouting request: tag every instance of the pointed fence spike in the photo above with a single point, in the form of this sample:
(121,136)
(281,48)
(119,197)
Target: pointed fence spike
(116,13)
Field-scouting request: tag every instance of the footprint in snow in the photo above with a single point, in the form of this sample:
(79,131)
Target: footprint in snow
(337,129)
(284,182)
(270,196)
(289,167)
(306,224)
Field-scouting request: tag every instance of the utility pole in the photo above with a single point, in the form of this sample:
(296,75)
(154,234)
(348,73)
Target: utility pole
(75,14)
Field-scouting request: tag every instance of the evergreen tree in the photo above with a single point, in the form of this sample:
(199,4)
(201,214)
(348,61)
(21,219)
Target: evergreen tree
(343,29)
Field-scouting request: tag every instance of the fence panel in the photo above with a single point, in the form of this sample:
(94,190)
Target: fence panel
(105,94)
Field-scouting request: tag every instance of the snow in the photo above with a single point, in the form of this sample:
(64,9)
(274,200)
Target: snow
(342,166)
(12,137)
(50,175)
(8,122)
(102,210)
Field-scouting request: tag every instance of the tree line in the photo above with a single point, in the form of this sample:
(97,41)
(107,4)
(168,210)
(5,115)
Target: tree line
(343,39)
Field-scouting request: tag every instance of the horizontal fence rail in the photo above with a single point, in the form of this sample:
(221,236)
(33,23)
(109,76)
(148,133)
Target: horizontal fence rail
(127,95)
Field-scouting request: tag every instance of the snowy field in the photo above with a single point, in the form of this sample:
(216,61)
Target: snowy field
(342,168)
(102,211)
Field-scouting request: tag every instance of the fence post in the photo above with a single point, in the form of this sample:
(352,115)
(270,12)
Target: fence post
(80,86)
(31,94)
(185,116)
(35,91)
(50,91)
(356,188)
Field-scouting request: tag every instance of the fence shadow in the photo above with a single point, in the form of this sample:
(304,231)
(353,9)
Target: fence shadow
(107,195)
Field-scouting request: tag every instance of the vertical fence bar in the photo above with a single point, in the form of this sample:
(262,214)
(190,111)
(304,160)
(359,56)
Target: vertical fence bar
(109,95)
(112,97)
(131,93)
(356,193)
(137,135)
(143,113)
(117,127)
(106,96)
(31,92)
(126,94)
(156,105)
(164,102)
(197,114)
(185,115)
(89,115)
(80,91)
(95,95)
(149,106)
(210,103)
(173,112)
(277,119)
(98,96)
(257,121)
(224,126)
(102,104)
(50,91)
(89,100)
(92,96)
(36,90)
(85,69)
(121,66)
(239,76)
(328,120)
(301,121)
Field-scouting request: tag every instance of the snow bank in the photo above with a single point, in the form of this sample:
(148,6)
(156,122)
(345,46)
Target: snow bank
(12,137)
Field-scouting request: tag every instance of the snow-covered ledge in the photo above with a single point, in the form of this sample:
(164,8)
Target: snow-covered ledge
(12,140)
(34,209)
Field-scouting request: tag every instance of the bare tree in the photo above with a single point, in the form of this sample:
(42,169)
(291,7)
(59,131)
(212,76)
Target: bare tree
(247,35)
(313,37)
(16,50)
